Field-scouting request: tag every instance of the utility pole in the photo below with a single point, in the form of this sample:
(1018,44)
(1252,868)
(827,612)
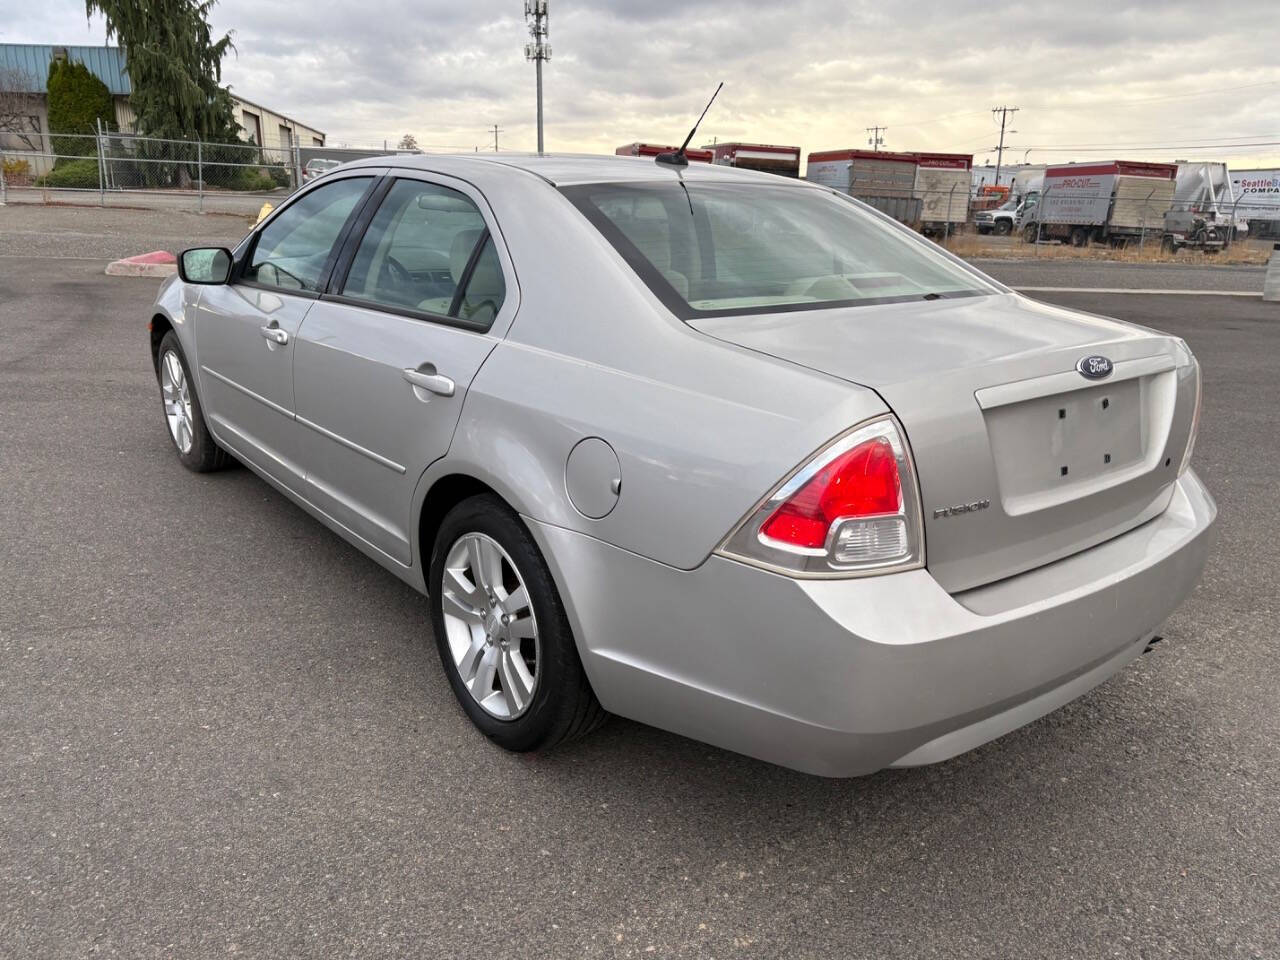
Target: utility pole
(538,17)
(496,130)
(875,140)
(1004,118)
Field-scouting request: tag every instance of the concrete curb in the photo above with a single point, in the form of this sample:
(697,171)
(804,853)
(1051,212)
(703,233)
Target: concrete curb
(158,263)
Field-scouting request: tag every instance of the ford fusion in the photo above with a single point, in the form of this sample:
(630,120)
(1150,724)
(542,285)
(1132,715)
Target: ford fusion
(728,454)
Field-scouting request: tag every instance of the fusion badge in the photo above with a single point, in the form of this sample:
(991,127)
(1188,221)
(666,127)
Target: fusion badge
(960,508)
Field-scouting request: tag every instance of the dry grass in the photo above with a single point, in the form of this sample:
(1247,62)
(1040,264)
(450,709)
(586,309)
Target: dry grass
(1013,248)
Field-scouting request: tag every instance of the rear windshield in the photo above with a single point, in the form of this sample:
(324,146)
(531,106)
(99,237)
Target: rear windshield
(713,249)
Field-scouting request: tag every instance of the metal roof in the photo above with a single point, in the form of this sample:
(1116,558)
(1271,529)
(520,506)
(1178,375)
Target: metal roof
(33,59)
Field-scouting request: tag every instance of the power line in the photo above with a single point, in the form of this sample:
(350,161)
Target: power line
(1162,147)
(876,141)
(1171,144)
(1181,96)
(496,130)
(949,116)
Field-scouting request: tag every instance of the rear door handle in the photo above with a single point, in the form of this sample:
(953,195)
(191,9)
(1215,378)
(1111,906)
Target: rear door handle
(275,334)
(436,383)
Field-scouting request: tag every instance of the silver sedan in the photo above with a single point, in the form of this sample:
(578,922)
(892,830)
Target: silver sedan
(729,454)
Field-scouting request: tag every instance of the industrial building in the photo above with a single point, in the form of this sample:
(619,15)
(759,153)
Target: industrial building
(24,69)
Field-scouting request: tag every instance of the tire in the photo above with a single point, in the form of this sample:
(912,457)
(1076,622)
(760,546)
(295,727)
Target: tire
(184,416)
(1003,228)
(562,705)
(1029,233)
(1168,246)
(1079,237)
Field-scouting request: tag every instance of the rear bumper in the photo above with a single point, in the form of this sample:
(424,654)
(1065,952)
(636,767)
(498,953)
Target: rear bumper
(841,678)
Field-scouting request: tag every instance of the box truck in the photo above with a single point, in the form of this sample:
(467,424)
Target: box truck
(768,157)
(928,191)
(693,154)
(1109,202)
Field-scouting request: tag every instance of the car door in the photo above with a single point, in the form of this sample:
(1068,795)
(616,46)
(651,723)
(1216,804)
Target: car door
(419,298)
(244,329)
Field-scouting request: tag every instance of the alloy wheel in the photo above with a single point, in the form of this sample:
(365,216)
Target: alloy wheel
(490,626)
(177,401)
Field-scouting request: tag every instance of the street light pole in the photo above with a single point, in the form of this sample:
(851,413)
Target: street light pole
(538,16)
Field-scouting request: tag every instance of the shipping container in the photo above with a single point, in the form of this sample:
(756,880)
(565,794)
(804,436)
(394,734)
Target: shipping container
(653,149)
(767,157)
(1111,201)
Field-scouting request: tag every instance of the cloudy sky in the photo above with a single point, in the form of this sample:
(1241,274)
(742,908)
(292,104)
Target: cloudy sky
(1094,78)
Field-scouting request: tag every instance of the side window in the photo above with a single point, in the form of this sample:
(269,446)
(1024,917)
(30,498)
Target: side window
(417,249)
(663,234)
(291,251)
(485,290)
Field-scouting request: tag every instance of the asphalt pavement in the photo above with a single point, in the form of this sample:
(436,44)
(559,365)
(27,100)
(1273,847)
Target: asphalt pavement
(224,732)
(1048,272)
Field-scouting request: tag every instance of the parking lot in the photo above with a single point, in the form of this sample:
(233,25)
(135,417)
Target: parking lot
(224,732)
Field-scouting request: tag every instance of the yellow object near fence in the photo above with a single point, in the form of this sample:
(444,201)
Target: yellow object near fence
(262,214)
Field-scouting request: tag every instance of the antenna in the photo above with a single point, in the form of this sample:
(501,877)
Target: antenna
(678,159)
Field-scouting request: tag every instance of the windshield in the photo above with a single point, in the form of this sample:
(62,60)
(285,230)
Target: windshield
(712,249)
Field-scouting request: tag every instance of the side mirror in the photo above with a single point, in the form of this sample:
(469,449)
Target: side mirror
(207,265)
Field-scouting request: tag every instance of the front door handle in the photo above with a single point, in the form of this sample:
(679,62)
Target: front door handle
(275,334)
(436,383)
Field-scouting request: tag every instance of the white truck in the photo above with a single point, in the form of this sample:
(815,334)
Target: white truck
(1109,202)
(999,220)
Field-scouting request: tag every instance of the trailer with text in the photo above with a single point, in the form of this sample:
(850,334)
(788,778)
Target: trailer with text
(1110,202)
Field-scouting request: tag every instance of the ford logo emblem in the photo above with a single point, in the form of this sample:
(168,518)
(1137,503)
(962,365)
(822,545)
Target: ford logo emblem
(1095,367)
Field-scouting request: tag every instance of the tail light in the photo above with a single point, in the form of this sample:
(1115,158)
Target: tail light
(1195,425)
(851,510)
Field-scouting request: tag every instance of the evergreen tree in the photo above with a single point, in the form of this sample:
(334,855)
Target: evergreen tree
(175,67)
(77,101)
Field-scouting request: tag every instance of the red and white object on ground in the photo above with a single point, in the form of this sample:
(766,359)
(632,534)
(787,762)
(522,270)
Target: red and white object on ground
(157,263)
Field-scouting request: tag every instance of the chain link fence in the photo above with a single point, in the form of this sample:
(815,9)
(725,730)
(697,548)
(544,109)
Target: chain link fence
(125,169)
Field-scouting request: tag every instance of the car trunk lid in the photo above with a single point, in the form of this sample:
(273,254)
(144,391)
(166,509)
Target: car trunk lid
(1021,458)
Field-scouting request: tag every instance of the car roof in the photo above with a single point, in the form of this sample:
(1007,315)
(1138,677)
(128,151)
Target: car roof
(562,169)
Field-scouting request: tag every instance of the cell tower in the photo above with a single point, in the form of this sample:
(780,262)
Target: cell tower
(538,17)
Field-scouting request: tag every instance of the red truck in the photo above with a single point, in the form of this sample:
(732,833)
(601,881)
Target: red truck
(653,149)
(768,157)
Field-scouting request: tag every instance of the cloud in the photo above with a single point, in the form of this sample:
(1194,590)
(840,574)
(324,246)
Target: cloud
(1092,78)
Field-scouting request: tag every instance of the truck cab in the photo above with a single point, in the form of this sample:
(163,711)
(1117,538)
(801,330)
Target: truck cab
(999,221)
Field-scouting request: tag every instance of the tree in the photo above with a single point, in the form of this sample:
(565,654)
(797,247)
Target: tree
(175,67)
(407,142)
(19,109)
(77,102)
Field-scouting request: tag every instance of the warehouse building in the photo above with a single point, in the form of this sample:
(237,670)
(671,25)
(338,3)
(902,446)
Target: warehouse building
(24,113)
